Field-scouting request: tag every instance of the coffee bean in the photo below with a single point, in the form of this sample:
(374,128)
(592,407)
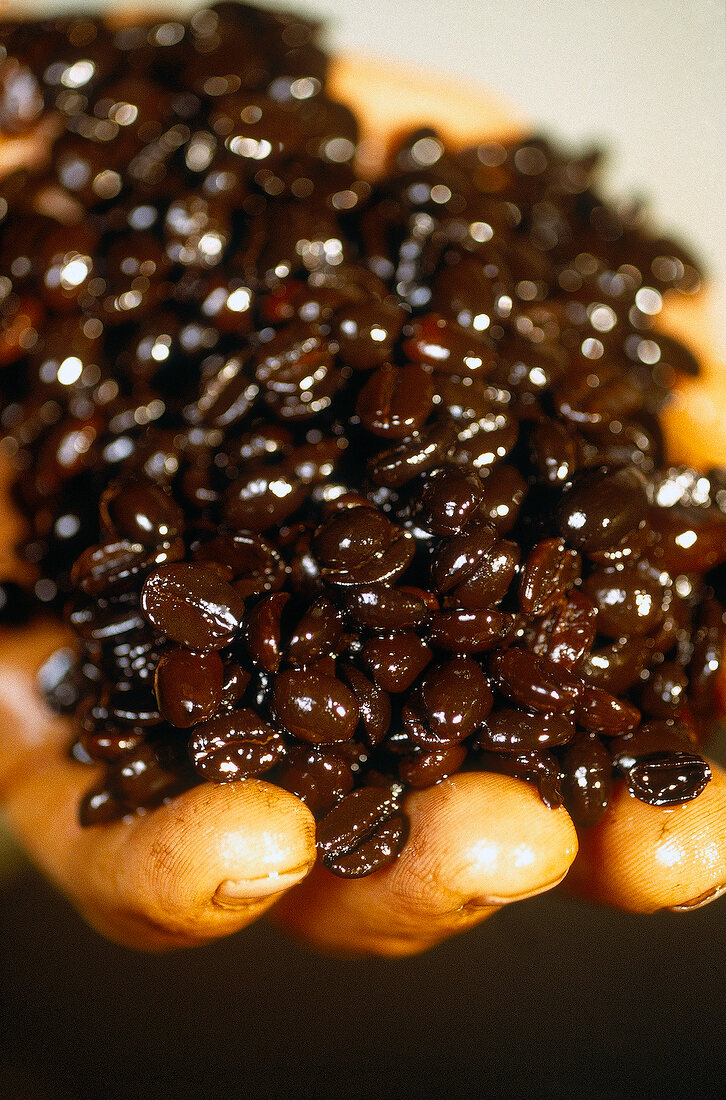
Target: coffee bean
(319,778)
(567,633)
(315,707)
(395,401)
(380,607)
(113,567)
(548,572)
(664,693)
(668,779)
(263,632)
(351,537)
(395,661)
(188,685)
(364,832)
(452,700)
(373,703)
(628,601)
(616,667)
(469,631)
(600,712)
(419,452)
(366,332)
(510,730)
(424,768)
(601,506)
(536,766)
(439,343)
(587,783)
(192,606)
(235,746)
(447,499)
(534,682)
(141,513)
(316,635)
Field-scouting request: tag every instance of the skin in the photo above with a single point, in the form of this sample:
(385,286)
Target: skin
(216,858)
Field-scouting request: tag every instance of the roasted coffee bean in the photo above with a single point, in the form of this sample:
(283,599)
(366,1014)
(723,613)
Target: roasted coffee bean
(424,768)
(395,401)
(546,575)
(489,583)
(421,451)
(366,333)
(601,506)
(553,452)
(395,661)
(452,700)
(316,635)
(108,743)
(707,659)
(668,779)
(385,566)
(457,560)
(235,746)
(568,632)
(188,685)
(113,567)
(469,631)
(263,632)
(664,693)
(509,730)
(373,703)
(628,601)
(534,682)
(319,778)
(317,708)
(100,806)
(235,681)
(587,781)
(191,605)
(616,667)
(256,564)
(145,777)
(141,512)
(503,494)
(600,712)
(383,608)
(688,540)
(364,832)
(111,623)
(440,344)
(351,537)
(262,500)
(536,767)
(659,737)
(447,500)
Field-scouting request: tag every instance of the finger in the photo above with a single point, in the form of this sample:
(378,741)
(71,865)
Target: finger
(478,841)
(204,865)
(642,858)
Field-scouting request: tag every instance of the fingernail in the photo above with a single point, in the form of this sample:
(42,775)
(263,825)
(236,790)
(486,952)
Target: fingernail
(489,900)
(701,900)
(237,893)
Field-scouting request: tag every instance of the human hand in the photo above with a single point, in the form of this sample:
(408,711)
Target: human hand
(216,857)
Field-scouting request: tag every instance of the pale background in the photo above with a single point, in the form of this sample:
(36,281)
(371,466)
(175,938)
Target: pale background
(647,77)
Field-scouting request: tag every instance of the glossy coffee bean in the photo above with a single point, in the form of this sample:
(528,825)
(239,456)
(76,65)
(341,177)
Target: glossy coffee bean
(616,667)
(664,693)
(503,496)
(600,712)
(567,634)
(263,631)
(628,601)
(235,746)
(468,631)
(421,451)
(316,635)
(424,768)
(114,567)
(550,569)
(395,401)
(374,704)
(602,506)
(366,332)
(510,730)
(145,777)
(534,682)
(553,452)
(440,344)
(395,661)
(457,560)
(191,605)
(188,685)
(319,778)
(351,537)
(451,702)
(380,607)
(447,500)
(141,513)
(317,708)
(364,832)
(537,767)
(668,779)
(587,783)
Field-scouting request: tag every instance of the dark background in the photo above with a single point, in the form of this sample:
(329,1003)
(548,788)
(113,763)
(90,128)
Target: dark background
(551,998)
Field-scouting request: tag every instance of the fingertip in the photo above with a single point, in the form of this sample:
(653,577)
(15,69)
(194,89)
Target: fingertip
(642,858)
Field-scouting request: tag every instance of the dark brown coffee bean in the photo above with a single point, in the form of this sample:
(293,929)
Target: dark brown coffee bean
(659,737)
(145,777)
(707,659)
(188,685)
(385,566)
(395,401)
(141,512)
(373,703)
(100,806)
(394,662)
(229,393)
(104,624)
(629,602)
(664,693)
(262,631)
(457,559)
(114,567)
(452,701)
(192,606)
(319,778)
(616,667)
(440,344)
(534,682)
(536,767)
(423,450)
(668,779)
(587,780)
(262,500)
(366,333)
(316,708)
(316,635)
(688,540)
(490,581)
(235,681)
(364,832)
(503,495)
(107,743)
(566,635)
(509,730)
(468,631)
(351,537)
(553,452)
(600,712)
(424,768)
(380,607)
(235,746)
(255,563)
(447,500)
(548,572)
(601,507)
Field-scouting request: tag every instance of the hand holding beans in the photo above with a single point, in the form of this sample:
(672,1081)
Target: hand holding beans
(203,864)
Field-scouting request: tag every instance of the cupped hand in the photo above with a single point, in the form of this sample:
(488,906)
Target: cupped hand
(217,857)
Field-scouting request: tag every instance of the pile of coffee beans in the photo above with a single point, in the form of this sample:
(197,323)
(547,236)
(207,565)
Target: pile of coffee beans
(349,486)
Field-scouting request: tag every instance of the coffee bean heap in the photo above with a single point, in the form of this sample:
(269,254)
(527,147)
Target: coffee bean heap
(348,487)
